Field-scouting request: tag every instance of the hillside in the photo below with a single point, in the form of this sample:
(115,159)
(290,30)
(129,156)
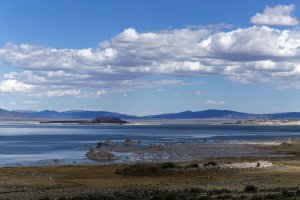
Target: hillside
(4,114)
(84,114)
(228,114)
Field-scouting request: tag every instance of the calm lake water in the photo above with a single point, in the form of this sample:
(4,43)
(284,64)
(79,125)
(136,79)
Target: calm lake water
(23,144)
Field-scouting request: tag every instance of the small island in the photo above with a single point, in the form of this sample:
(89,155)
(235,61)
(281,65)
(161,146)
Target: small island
(97,120)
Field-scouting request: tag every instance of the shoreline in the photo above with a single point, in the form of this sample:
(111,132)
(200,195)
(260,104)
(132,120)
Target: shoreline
(167,152)
(230,175)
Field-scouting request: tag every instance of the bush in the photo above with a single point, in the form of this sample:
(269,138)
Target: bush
(197,190)
(288,193)
(157,197)
(205,198)
(170,196)
(226,196)
(141,170)
(62,198)
(222,191)
(242,197)
(45,198)
(193,165)
(168,165)
(257,197)
(210,163)
(273,196)
(250,188)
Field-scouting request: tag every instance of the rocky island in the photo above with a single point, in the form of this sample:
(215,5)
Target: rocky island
(97,120)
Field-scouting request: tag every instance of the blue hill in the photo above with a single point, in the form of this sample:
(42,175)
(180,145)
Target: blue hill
(84,114)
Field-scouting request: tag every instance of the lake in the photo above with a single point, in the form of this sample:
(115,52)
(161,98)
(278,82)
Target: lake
(26,144)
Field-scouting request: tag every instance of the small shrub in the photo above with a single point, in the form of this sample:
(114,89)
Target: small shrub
(197,190)
(226,196)
(45,198)
(79,198)
(273,196)
(210,163)
(257,197)
(242,197)
(168,165)
(170,196)
(217,192)
(157,197)
(288,193)
(250,188)
(222,191)
(141,170)
(205,198)
(193,165)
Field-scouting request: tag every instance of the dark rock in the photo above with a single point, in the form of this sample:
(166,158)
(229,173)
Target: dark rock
(111,120)
(107,143)
(99,145)
(100,155)
(97,120)
(128,142)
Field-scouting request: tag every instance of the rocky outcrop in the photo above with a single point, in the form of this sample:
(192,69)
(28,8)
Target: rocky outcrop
(97,120)
(100,154)
(106,143)
(128,142)
(108,120)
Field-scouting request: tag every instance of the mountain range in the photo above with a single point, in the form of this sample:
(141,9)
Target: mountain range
(84,114)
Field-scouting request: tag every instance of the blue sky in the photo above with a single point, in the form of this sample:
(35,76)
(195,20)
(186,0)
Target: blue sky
(147,57)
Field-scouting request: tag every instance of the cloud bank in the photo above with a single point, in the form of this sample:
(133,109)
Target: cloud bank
(251,54)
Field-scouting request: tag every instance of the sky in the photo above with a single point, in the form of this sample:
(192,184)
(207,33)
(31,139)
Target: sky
(150,57)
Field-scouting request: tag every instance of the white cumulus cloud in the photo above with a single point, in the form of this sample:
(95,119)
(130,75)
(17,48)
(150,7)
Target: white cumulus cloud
(11,86)
(100,93)
(59,93)
(213,102)
(125,61)
(278,15)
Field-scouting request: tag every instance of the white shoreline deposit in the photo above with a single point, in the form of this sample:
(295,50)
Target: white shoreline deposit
(278,122)
(261,164)
(246,165)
